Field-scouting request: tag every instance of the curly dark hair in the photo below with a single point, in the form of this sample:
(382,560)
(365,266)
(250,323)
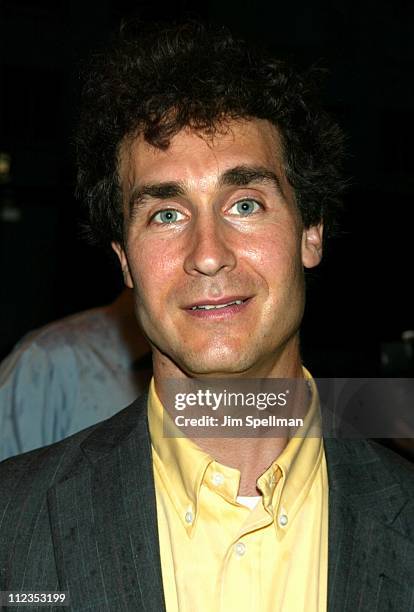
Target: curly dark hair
(158,81)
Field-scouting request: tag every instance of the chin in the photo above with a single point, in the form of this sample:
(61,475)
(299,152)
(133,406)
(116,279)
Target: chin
(215,368)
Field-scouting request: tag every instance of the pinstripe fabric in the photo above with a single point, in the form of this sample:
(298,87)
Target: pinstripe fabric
(86,521)
(81,515)
(371,531)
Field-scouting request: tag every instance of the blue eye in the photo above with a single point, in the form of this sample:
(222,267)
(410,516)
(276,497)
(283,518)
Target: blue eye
(246,207)
(168,216)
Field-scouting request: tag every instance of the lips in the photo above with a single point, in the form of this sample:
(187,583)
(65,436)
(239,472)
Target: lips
(217,304)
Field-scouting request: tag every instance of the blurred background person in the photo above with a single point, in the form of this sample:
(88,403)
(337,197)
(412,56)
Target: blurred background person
(71,374)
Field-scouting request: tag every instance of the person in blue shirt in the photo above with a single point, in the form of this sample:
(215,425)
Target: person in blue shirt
(71,374)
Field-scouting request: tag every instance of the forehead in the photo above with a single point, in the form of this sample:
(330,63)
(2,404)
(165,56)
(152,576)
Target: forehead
(194,157)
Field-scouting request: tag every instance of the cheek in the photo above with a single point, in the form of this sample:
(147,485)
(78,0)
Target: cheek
(276,258)
(153,264)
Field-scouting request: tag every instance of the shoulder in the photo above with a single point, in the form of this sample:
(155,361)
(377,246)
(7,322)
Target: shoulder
(53,341)
(365,474)
(368,454)
(30,475)
(400,468)
(66,331)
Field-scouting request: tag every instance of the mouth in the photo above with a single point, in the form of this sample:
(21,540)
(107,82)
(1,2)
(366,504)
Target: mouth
(218,308)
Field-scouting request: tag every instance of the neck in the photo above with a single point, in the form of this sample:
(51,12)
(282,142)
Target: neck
(251,456)
(122,313)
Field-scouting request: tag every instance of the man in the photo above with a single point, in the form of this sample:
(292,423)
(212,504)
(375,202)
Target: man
(70,374)
(211,169)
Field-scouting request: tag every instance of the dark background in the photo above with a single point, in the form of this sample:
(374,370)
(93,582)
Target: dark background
(359,298)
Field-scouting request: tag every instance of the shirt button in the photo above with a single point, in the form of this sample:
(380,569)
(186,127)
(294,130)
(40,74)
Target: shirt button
(188,517)
(218,478)
(283,520)
(240,549)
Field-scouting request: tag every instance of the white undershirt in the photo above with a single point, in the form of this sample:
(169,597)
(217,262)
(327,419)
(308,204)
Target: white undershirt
(250,502)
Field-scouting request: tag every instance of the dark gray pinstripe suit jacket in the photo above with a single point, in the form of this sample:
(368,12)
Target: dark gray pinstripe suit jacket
(80,516)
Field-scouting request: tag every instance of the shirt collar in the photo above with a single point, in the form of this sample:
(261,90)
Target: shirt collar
(183,466)
(180,463)
(287,482)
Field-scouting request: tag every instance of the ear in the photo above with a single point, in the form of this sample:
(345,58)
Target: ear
(124,264)
(312,245)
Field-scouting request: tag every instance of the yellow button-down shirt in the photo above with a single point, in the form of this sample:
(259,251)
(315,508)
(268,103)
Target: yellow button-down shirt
(217,555)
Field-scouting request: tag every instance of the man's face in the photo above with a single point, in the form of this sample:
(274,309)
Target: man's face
(215,250)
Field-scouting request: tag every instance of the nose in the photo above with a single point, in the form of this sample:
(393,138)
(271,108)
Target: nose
(210,250)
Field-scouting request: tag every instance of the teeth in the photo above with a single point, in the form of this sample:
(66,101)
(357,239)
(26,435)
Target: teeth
(211,306)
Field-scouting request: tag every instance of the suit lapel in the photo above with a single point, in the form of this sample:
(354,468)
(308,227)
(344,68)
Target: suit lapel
(104,520)
(370,554)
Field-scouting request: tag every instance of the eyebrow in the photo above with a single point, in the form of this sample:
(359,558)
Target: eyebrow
(160,191)
(240,176)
